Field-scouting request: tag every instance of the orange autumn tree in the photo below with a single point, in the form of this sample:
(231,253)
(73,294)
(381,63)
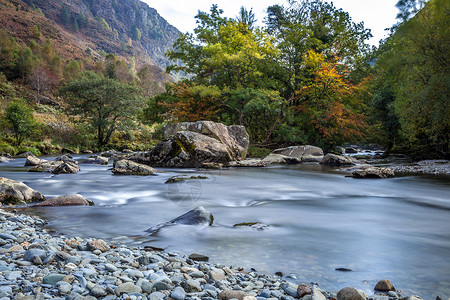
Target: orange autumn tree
(187,103)
(328,106)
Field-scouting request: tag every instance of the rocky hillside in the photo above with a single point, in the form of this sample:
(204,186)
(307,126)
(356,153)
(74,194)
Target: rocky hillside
(123,27)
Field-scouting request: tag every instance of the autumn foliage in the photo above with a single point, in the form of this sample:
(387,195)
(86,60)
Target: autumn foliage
(328,105)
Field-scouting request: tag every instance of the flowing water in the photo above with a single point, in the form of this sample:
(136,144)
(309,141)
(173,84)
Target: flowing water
(319,220)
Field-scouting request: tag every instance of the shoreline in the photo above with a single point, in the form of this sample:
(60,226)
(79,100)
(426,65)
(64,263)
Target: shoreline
(37,265)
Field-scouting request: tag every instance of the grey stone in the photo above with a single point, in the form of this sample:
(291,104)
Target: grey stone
(32,253)
(128,167)
(156,296)
(98,291)
(52,279)
(127,288)
(161,285)
(178,294)
(63,287)
(317,295)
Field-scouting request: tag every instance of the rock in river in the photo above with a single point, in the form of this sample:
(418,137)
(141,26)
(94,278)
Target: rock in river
(128,167)
(191,144)
(66,168)
(197,216)
(66,200)
(373,172)
(304,153)
(14,192)
(338,160)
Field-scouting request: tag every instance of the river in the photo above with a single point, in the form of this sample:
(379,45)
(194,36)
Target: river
(319,220)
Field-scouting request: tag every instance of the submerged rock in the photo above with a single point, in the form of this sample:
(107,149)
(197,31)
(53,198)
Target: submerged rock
(128,167)
(181,178)
(254,225)
(66,200)
(197,216)
(14,192)
(338,160)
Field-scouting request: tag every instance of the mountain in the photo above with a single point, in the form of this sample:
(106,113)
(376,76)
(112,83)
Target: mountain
(127,28)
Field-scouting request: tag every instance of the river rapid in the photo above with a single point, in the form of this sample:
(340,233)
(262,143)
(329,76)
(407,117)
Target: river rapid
(318,220)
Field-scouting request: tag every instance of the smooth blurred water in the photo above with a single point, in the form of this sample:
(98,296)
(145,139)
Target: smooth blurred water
(319,220)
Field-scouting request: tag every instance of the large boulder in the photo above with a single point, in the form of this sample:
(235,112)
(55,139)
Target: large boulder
(234,137)
(197,216)
(66,200)
(14,192)
(338,160)
(189,149)
(305,153)
(128,167)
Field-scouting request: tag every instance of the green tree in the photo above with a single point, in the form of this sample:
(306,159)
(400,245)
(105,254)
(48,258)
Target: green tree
(412,68)
(19,117)
(65,15)
(103,102)
(246,17)
(314,25)
(9,51)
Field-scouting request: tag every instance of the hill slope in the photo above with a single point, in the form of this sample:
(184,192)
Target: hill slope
(127,28)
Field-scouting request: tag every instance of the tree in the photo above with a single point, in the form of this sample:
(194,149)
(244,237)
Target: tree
(413,65)
(328,106)
(314,25)
(8,54)
(189,103)
(408,8)
(41,80)
(103,102)
(246,17)
(20,119)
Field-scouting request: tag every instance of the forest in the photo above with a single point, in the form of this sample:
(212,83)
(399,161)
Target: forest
(308,76)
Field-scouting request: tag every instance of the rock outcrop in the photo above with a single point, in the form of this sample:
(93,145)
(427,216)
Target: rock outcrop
(14,192)
(191,144)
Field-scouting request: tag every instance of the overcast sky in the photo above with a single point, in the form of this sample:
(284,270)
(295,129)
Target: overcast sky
(376,14)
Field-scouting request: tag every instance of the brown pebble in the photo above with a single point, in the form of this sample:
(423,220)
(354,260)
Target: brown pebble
(384,285)
(303,289)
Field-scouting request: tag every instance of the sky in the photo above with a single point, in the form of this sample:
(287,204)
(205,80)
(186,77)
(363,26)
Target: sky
(376,14)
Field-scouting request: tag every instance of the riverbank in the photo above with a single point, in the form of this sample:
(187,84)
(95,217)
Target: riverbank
(37,265)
